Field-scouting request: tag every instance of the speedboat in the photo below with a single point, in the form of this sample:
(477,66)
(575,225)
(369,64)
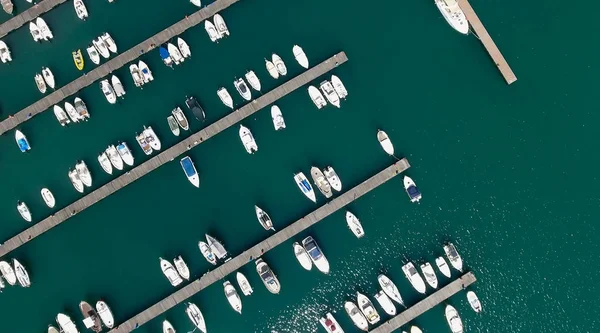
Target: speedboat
(192,104)
(165,56)
(93,54)
(65,324)
(354,225)
(330,324)
(304,186)
(35,32)
(4,52)
(316,97)
(315,254)
(22,142)
(196,316)
(40,83)
(474,301)
(182,268)
(180,118)
(233,297)
(114,157)
(8,273)
(105,314)
(62,117)
(330,94)
(332,178)
(44,29)
(411,189)
(302,256)
(225,97)
(21,273)
(300,56)
(367,308)
(279,64)
(211,30)
(358,318)
(216,247)
(141,140)
(253,80)
(48,197)
(243,89)
(108,91)
(101,46)
(207,253)
(146,72)
(118,86)
(77,59)
(137,76)
(220,26)
(48,77)
(453,319)
(385,142)
(390,289)
(184,48)
(453,256)
(413,277)
(429,275)
(80,9)
(77,183)
(278,121)
(170,272)
(267,276)
(244,284)
(443,266)
(248,140)
(263,218)
(91,320)
(152,138)
(319,179)
(271,69)
(72,112)
(84,173)
(173,125)
(453,15)
(105,163)
(339,87)
(167,327)
(125,153)
(175,54)
(110,42)
(81,108)
(385,303)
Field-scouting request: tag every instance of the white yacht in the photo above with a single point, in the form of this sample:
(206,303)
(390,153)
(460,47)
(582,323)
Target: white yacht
(302,256)
(105,314)
(243,89)
(114,157)
(190,171)
(367,308)
(77,183)
(146,72)
(93,54)
(175,54)
(316,97)
(268,277)
(110,42)
(244,284)
(443,266)
(211,30)
(84,173)
(65,324)
(216,247)
(181,118)
(339,87)
(354,225)
(385,142)
(72,112)
(101,47)
(429,275)
(330,324)
(385,303)
(170,272)
(390,289)
(207,253)
(271,69)
(125,153)
(48,197)
(413,277)
(253,80)
(8,273)
(474,301)
(358,318)
(300,56)
(108,91)
(263,218)
(233,297)
(152,138)
(221,26)
(196,316)
(167,327)
(248,140)
(173,125)
(453,256)
(182,268)
(105,163)
(48,77)
(118,86)
(44,29)
(4,52)
(453,15)
(40,83)
(315,254)
(21,273)
(184,48)
(322,184)
(138,78)
(332,178)
(277,116)
(24,211)
(35,32)
(80,108)
(304,186)
(330,94)
(279,64)
(411,189)
(453,319)
(80,9)
(62,117)
(225,97)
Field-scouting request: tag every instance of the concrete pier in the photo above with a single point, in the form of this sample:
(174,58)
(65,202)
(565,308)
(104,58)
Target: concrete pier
(28,15)
(171,153)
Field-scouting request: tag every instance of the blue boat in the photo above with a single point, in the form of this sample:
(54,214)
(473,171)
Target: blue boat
(22,141)
(190,171)
(165,56)
(411,189)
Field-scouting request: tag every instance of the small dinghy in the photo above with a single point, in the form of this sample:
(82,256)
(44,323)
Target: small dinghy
(48,197)
(221,26)
(207,253)
(192,104)
(330,324)
(80,9)
(175,54)
(170,272)
(72,112)
(367,308)
(390,289)
(93,54)
(84,173)
(429,275)
(279,64)
(61,116)
(233,297)
(22,142)
(332,178)
(165,56)
(453,256)
(244,284)
(414,278)
(105,163)
(4,52)
(385,142)
(44,29)
(48,77)
(40,83)
(101,46)
(248,140)
(277,116)
(77,59)
(117,86)
(167,327)
(145,71)
(322,184)
(91,320)
(330,94)
(354,225)
(263,218)
(474,301)
(385,303)
(114,157)
(443,266)
(108,91)
(216,247)
(253,80)
(77,183)
(180,118)
(105,314)
(358,318)
(268,277)
(182,268)
(196,316)
(65,324)
(173,125)
(243,89)
(8,273)
(225,97)
(316,97)
(302,256)
(211,30)
(81,108)
(304,186)
(315,254)
(138,77)
(152,138)
(300,56)
(184,48)
(141,140)
(110,42)
(125,153)
(35,32)
(339,87)
(411,189)
(453,319)
(271,69)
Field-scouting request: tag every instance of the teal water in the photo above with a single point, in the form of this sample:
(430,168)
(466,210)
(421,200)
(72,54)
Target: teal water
(507,172)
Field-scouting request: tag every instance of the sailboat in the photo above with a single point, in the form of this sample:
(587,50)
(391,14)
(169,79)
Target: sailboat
(278,121)
(48,77)
(84,173)
(40,83)
(354,225)
(105,314)
(146,72)
(322,184)
(300,56)
(192,104)
(48,197)
(304,186)
(211,30)
(390,289)
(443,266)
(81,108)
(80,9)
(330,94)
(332,178)
(385,142)
(248,140)
(105,163)
(21,273)
(108,91)
(170,272)
(263,218)
(184,48)
(221,26)
(216,247)
(173,126)
(242,89)
(207,253)
(316,97)
(233,297)
(77,183)
(244,284)
(358,318)
(367,308)
(175,54)
(225,97)
(190,171)
(77,59)
(271,69)
(182,267)
(118,86)
(474,301)
(339,87)
(65,324)
(125,153)
(110,42)
(453,256)
(413,277)
(114,157)
(91,320)
(279,64)
(453,15)
(429,275)
(315,254)
(253,80)
(302,256)
(385,303)
(93,54)
(453,319)
(330,324)
(8,273)
(411,189)
(44,29)
(35,32)
(268,277)
(152,138)
(180,118)
(196,316)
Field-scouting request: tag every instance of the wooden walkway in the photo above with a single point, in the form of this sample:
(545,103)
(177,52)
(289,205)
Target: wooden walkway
(432,300)
(169,154)
(487,41)
(257,250)
(30,14)
(115,63)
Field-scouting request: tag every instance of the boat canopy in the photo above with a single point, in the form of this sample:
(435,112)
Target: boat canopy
(23,145)
(413,192)
(164,54)
(188,167)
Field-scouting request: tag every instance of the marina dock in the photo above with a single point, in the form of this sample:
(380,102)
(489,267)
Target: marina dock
(487,41)
(431,301)
(28,15)
(172,152)
(264,246)
(113,64)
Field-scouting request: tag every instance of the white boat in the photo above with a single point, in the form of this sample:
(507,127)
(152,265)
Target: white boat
(167,327)
(358,318)
(175,54)
(8,273)
(330,324)
(92,52)
(453,256)
(22,142)
(263,218)
(233,297)
(196,316)
(84,173)
(62,117)
(248,140)
(242,89)
(40,83)
(152,138)
(390,289)
(173,125)
(474,301)
(385,303)
(207,253)
(114,157)
(220,25)
(170,272)
(105,314)
(411,189)
(35,32)
(268,277)
(181,118)
(48,197)
(278,121)
(138,77)
(453,319)
(271,69)
(453,15)
(101,47)
(182,268)
(322,184)
(196,3)
(367,308)
(80,108)
(316,97)
(415,329)
(216,247)
(4,52)
(117,86)
(48,77)
(80,9)
(211,30)
(90,317)
(279,64)
(110,42)
(225,97)
(65,324)
(253,80)
(300,56)
(146,72)
(413,277)
(21,273)
(24,211)
(108,91)
(77,183)
(304,186)
(244,284)
(184,48)
(315,254)
(339,87)
(354,225)
(302,256)
(385,142)
(443,266)
(105,163)
(72,112)
(45,31)
(429,275)
(330,94)
(141,140)
(332,178)
(125,153)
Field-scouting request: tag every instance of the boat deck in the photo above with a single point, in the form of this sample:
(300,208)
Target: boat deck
(171,153)
(264,246)
(28,15)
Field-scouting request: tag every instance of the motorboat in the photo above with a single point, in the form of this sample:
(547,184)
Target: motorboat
(184,48)
(138,78)
(110,42)
(108,91)
(65,324)
(48,77)
(453,319)
(367,308)
(62,117)
(453,15)
(277,116)
(332,178)
(48,197)
(175,54)
(173,125)
(429,275)
(125,153)
(35,32)
(300,56)
(211,30)
(167,327)
(244,284)
(248,140)
(181,118)
(263,218)
(225,97)
(322,184)
(182,268)
(207,253)
(105,314)
(80,9)
(413,277)
(77,59)
(4,52)
(52,329)
(141,140)
(101,46)
(330,324)
(196,2)
(118,86)
(81,108)
(354,225)
(105,163)
(474,301)
(221,26)
(92,52)
(411,189)
(146,72)
(233,297)
(315,254)
(390,289)
(385,142)
(91,320)
(316,97)
(330,94)
(443,266)
(190,171)
(72,112)
(21,274)
(114,157)
(339,87)
(216,247)
(77,183)
(302,256)
(453,256)
(279,64)
(267,276)
(165,56)
(192,104)
(253,80)
(152,138)
(385,303)
(196,316)
(243,89)
(45,31)
(170,272)
(22,142)
(40,83)
(415,329)
(304,186)
(358,318)
(84,173)
(8,273)
(271,69)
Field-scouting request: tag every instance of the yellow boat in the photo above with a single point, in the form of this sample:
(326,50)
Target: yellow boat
(78,59)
